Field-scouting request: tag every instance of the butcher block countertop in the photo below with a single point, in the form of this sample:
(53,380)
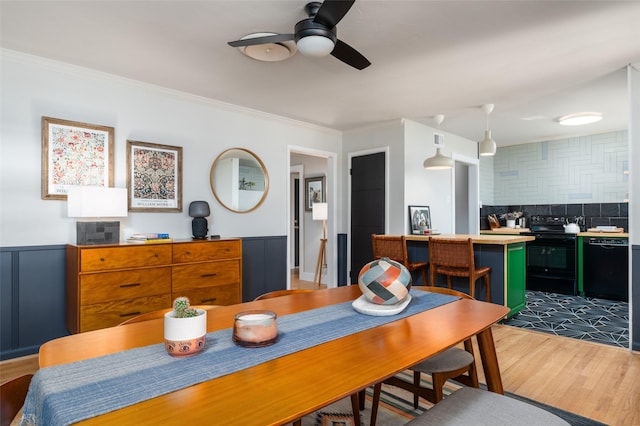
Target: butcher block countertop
(604,234)
(504,230)
(477,239)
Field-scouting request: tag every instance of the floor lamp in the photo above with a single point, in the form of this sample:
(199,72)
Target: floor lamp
(320,213)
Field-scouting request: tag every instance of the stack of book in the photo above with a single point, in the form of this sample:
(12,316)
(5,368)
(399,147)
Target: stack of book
(149,238)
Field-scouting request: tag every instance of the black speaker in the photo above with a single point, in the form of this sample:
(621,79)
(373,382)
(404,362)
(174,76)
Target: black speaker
(199,228)
(198,210)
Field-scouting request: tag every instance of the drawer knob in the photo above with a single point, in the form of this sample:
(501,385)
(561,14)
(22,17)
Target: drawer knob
(212,299)
(129,285)
(102,259)
(208,275)
(130,314)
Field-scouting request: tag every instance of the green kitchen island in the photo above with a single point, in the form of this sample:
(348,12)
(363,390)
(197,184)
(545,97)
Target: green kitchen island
(505,254)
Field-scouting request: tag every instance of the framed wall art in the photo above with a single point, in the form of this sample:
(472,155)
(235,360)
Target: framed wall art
(313,192)
(154,177)
(420,219)
(74,154)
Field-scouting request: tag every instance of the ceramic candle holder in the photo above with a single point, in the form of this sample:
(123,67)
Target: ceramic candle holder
(255,328)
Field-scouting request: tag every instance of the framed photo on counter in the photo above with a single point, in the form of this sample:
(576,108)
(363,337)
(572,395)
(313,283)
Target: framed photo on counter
(420,219)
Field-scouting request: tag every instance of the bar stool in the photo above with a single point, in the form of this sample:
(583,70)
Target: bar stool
(395,248)
(454,258)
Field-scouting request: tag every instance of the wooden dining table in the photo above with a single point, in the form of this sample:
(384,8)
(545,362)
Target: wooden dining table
(287,388)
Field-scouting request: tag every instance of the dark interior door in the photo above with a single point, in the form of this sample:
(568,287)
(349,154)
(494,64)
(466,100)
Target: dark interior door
(296,222)
(367,207)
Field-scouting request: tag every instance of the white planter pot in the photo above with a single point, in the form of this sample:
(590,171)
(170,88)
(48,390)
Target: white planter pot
(511,223)
(185,336)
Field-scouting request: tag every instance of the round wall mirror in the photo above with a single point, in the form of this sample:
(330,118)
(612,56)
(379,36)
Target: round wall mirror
(239,180)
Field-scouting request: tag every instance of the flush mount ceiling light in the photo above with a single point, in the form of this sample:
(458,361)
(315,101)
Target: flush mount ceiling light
(487,146)
(580,118)
(438,161)
(268,52)
(316,46)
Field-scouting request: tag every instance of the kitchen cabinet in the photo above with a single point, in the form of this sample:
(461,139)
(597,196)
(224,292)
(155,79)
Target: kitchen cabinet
(505,254)
(108,284)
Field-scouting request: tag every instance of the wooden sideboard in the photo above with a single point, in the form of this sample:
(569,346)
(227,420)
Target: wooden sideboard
(108,284)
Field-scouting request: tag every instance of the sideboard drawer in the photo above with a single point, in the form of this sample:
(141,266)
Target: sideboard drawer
(118,285)
(109,284)
(100,259)
(218,295)
(109,314)
(201,251)
(200,275)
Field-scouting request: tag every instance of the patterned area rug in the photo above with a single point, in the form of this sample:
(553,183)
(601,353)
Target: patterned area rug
(586,318)
(396,408)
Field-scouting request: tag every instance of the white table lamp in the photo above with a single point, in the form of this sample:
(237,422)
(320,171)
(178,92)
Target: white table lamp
(97,202)
(321,212)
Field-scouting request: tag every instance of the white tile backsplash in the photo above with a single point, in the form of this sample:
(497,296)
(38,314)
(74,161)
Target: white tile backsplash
(585,169)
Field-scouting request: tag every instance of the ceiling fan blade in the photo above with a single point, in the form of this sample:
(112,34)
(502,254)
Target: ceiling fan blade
(349,55)
(277,38)
(332,11)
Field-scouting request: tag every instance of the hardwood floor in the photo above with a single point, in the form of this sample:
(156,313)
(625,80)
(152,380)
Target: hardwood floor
(590,379)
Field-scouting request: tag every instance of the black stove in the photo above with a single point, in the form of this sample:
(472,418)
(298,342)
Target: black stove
(551,258)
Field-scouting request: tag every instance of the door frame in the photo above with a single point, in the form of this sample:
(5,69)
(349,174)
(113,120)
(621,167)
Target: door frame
(473,193)
(296,172)
(350,155)
(331,183)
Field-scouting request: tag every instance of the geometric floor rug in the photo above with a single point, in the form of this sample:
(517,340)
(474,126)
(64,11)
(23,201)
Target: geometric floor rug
(396,408)
(585,318)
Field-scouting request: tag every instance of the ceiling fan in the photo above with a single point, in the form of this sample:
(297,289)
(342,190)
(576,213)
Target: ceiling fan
(316,35)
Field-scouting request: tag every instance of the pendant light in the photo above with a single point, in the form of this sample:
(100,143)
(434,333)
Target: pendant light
(487,146)
(438,161)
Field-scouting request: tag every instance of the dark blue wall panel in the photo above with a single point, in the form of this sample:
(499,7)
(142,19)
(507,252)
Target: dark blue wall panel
(264,265)
(33,298)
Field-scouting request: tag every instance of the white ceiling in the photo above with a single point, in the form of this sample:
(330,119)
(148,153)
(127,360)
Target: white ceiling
(535,60)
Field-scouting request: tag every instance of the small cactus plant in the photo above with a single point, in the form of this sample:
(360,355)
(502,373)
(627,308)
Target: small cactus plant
(182,308)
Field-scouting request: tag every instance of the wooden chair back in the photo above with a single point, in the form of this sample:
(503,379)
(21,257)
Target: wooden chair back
(279,293)
(454,258)
(395,248)
(12,396)
(442,290)
(453,253)
(392,246)
(160,314)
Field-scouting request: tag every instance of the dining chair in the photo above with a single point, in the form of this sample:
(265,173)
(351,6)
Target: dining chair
(468,406)
(454,363)
(12,396)
(454,258)
(160,314)
(395,248)
(355,405)
(278,293)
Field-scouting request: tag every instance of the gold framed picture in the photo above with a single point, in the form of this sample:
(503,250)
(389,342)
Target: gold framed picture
(74,154)
(154,177)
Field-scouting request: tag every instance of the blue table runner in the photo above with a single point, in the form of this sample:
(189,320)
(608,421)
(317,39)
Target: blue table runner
(69,393)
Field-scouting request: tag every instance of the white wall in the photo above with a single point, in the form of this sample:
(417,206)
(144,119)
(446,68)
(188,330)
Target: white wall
(33,87)
(387,137)
(431,187)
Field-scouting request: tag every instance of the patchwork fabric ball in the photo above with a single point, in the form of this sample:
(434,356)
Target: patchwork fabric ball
(384,281)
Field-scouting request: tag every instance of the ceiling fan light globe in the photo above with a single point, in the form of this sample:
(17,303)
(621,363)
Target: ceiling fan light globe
(315,46)
(488,145)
